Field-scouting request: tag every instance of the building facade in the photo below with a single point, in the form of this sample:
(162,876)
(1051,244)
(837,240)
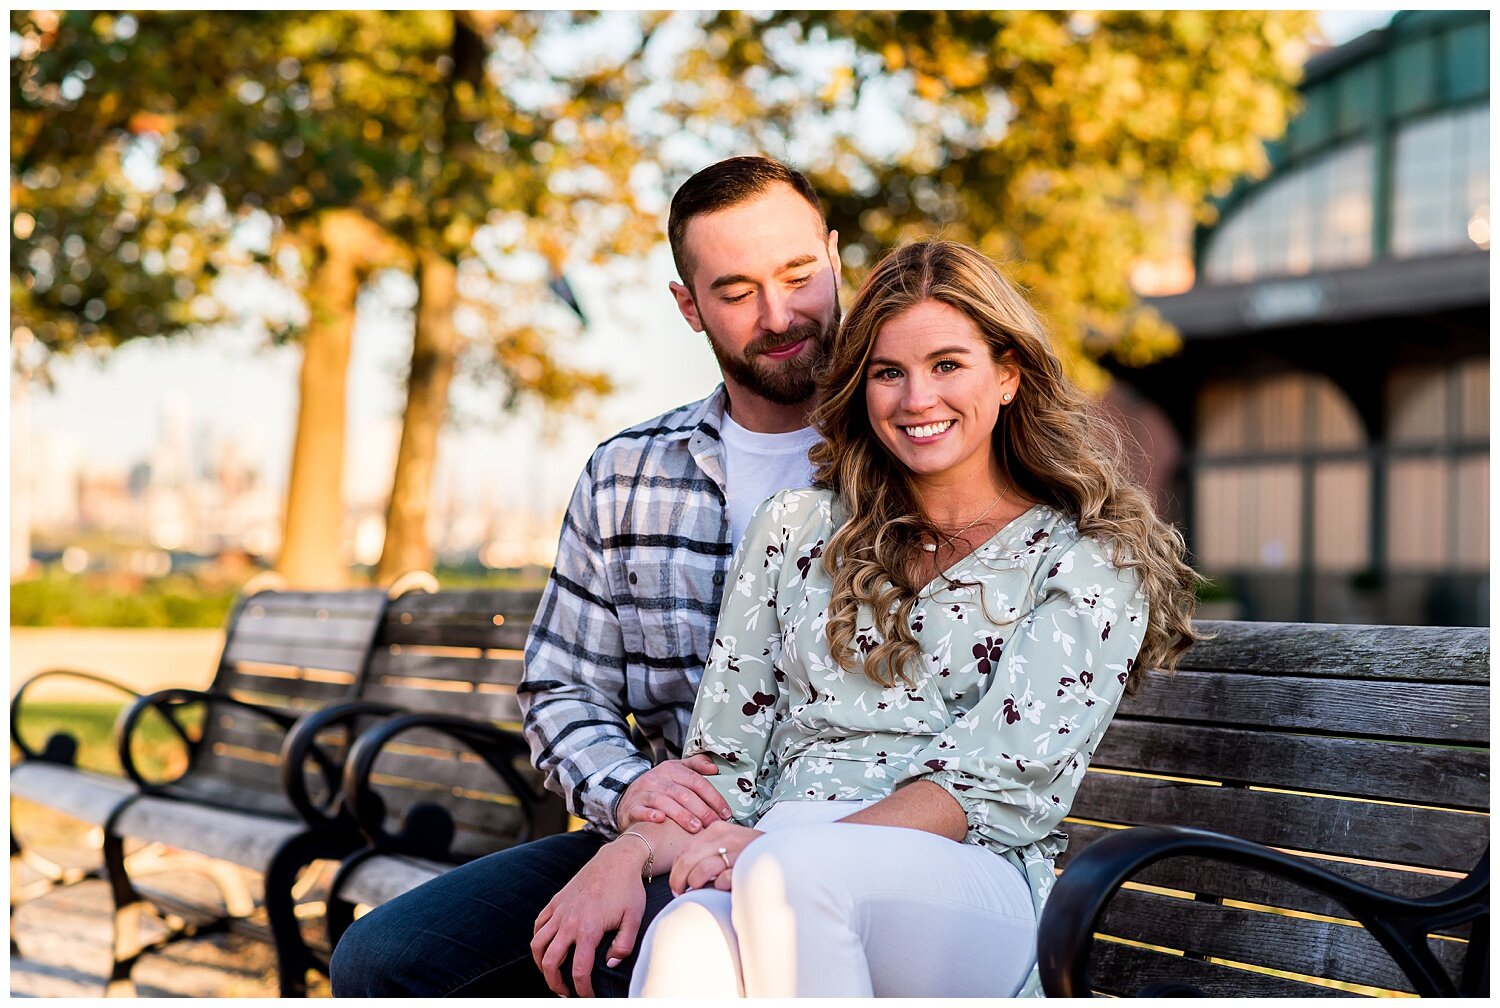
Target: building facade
(1332,397)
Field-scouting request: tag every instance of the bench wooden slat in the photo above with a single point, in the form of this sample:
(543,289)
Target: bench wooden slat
(493,707)
(1215,879)
(359,602)
(452,773)
(224,780)
(477,821)
(304,628)
(482,635)
(1122,970)
(1394,771)
(462,603)
(1434,712)
(470,668)
(246,734)
(1429,654)
(462,618)
(332,656)
(1293,945)
(243,680)
(1429,838)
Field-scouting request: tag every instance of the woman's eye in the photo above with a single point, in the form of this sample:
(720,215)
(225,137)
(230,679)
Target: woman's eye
(885,374)
(947,366)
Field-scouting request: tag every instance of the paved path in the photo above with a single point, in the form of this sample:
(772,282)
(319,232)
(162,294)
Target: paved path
(64,938)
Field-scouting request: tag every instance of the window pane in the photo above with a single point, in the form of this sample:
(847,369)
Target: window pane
(1341,523)
(1441,200)
(1474,399)
(1281,413)
(1417,509)
(1219,521)
(1275,500)
(1418,403)
(1317,216)
(1472,542)
(1222,410)
(1248,518)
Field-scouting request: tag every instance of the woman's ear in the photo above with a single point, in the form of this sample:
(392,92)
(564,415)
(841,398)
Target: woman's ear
(1008,373)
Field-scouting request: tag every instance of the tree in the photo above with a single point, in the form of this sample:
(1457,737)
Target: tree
(583,159)
(1039,137)
(321,126)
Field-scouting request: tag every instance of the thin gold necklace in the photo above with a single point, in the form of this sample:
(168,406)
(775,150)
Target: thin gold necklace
(932,547)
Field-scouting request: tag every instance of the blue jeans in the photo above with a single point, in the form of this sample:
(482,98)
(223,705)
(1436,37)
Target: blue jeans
(468,931)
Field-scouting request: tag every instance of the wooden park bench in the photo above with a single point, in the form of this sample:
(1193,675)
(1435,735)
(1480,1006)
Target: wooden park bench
(286,654)
(452,781)
(1357,755)
(1363,749)
(302,675)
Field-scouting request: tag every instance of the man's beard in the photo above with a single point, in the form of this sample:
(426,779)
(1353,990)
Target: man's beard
(785,383)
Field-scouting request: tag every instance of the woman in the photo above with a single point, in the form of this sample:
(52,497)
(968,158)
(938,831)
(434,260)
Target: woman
(912,669)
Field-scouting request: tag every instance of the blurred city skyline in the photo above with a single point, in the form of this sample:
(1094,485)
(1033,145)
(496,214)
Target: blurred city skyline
(162,430)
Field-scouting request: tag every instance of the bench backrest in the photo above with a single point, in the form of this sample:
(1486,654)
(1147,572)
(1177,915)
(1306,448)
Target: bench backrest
(455,652)
(1365,748)
(291,650)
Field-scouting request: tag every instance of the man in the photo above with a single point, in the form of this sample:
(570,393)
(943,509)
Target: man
(626,621)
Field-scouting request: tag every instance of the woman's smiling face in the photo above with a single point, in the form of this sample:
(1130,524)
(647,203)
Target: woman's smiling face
(933,392)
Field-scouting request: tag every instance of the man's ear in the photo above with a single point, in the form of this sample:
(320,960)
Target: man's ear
(686,305)
(833,257)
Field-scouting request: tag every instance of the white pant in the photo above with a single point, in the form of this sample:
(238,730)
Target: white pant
(828,909)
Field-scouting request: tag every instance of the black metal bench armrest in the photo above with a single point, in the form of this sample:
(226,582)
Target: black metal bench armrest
(162,701)
(498,747)
(56,749)
(1085,888)
(301,744)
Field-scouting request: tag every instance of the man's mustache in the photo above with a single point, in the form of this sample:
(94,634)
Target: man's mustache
(777,341)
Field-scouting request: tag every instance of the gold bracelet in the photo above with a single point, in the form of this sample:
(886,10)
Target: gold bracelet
(650,854)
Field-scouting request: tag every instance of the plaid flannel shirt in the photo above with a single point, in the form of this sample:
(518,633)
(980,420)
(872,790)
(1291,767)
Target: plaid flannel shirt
(628,614)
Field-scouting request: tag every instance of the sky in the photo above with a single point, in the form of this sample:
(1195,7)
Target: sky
(110,412)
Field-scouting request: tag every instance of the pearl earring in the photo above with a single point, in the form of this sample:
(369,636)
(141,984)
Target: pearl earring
(1006,397)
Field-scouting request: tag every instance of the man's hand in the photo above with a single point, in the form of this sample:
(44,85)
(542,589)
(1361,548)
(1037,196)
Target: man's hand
(676,790)
(607,895)
(700,863)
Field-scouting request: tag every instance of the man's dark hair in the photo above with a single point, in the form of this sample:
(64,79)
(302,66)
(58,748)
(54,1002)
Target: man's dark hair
(729,183)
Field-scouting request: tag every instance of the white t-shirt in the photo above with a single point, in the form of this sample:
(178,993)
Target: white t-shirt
(759,465)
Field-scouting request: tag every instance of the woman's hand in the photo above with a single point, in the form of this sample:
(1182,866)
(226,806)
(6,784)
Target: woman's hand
(699,863)
(606,895)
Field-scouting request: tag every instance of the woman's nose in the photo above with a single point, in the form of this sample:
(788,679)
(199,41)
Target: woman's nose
(919,394)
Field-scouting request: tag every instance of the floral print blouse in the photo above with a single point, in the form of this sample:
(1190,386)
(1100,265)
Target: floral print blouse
(1025,657)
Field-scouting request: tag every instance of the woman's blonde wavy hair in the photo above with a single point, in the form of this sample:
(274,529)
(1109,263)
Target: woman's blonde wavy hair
(1052,442)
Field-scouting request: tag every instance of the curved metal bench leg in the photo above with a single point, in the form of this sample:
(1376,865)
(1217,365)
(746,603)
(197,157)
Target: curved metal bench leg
(340,912)
(293,957)
(125,941)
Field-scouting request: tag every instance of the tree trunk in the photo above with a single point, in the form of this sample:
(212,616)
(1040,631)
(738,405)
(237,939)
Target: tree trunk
(312,544)
(22,485)
(434,348)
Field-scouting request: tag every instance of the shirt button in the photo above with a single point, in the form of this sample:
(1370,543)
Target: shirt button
(718,579)
(632,577)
